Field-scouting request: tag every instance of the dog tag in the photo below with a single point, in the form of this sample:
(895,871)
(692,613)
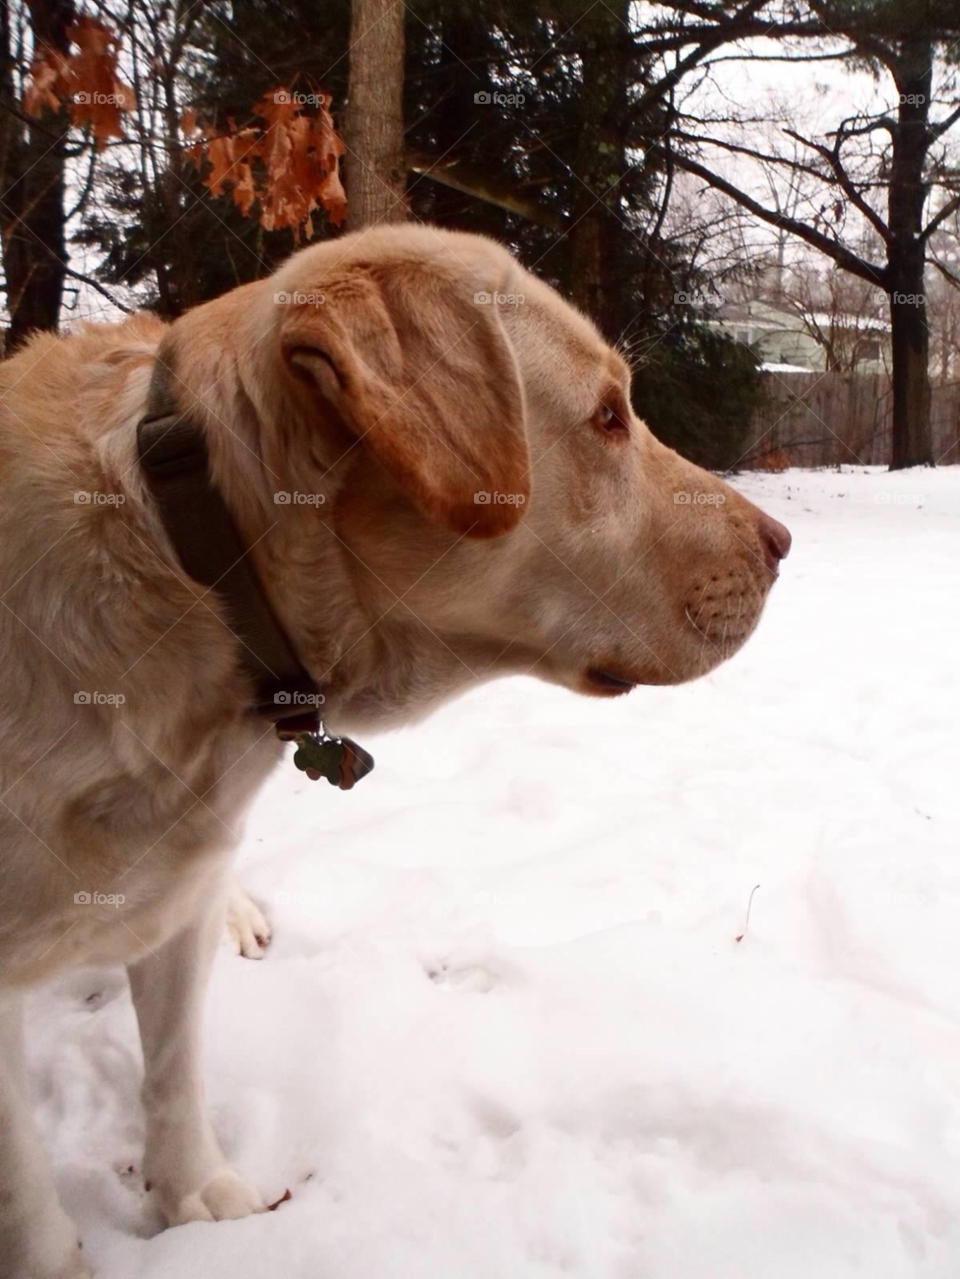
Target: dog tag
(339,759)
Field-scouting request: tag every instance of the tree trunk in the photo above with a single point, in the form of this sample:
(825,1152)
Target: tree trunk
(906,251)
(177,281)
(912,442)
(32,213)
(595,283)
(373,127)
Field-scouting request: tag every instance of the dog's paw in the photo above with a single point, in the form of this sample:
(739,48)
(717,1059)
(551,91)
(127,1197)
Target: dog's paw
(224,1198)
(247,929)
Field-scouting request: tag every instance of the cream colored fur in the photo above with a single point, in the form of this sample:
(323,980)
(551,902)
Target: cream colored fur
(396,396)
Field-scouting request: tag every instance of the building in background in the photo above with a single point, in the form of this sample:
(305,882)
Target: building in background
(790,338)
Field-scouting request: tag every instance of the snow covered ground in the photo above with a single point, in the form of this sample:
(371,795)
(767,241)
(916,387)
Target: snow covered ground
(505,1030)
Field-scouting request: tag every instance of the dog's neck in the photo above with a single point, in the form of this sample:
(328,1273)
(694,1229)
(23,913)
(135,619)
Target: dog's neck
(174,457)
(312,580)
(367,652)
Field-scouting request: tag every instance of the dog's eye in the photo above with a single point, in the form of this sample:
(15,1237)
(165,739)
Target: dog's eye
(608,420)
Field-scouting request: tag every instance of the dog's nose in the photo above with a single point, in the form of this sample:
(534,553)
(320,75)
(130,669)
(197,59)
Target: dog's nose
(775,541)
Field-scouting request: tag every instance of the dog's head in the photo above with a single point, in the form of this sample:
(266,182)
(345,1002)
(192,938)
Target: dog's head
(462,441)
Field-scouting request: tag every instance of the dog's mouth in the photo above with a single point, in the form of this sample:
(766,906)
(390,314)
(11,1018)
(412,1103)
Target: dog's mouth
(607,683)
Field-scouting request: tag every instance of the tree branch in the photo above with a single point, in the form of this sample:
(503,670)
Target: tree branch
(832,158)
(938,130)
(796,166)
(949,208)
(849,261)
(724,31)
(95,284)
(879,122)
(842,56)
(946,272)
(471,181)
(683,36)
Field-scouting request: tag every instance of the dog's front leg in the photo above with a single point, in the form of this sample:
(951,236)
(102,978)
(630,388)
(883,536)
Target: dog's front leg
(183,1163)
(37,1238)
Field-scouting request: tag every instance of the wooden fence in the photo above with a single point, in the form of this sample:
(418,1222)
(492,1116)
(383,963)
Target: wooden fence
(822,419)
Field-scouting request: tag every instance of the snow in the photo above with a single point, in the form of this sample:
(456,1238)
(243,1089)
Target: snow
(505,1028)
(774,367)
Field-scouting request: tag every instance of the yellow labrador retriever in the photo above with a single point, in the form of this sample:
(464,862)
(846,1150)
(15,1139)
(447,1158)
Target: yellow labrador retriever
(433,470)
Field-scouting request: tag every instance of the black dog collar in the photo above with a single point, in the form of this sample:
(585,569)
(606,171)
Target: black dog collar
(172,451)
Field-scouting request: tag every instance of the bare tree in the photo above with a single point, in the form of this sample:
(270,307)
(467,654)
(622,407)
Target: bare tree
(840,312)
(892,158)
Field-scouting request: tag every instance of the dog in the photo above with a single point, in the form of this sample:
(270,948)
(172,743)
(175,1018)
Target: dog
(434,472)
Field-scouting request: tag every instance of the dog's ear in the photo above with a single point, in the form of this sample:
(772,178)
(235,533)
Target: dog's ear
(424,376)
